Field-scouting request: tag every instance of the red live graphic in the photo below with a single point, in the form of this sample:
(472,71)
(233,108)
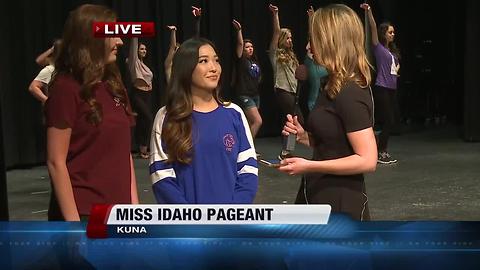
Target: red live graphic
(123,29)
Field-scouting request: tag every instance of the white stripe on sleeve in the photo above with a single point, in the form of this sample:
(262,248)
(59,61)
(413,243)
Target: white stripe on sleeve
(249,153)
(157,153)
(248,169)
(162,174)
(246,127)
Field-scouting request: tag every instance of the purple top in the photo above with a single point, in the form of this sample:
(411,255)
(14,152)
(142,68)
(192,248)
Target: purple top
(386,73)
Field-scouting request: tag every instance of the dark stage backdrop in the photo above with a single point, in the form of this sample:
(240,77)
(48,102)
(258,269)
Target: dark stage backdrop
(472,60)
(424,32)
(4,73)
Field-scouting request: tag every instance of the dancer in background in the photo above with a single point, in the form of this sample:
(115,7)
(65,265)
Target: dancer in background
(46,57)
(38,87)
(202,149)
(197,14)
(174,45)
(316,73)
(387,58)
(284,63)
(339,128)
(247,80)
(141,77)
(88,119)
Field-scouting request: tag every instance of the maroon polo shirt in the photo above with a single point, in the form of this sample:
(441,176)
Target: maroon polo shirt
(98,159)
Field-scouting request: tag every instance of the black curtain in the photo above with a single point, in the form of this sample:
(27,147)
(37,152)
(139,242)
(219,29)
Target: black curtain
(3,182)
(5,25)
(472,60)
(34,24)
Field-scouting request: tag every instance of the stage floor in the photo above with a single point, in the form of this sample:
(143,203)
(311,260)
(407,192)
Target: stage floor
(437,178)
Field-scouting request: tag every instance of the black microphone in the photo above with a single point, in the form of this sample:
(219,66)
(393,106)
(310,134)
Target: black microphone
(301,74)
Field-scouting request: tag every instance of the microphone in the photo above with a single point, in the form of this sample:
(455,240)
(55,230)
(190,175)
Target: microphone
(301,74)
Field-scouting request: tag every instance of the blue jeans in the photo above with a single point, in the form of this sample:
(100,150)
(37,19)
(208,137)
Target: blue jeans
(247,102)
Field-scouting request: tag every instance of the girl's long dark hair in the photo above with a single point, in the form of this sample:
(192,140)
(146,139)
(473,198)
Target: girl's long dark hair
(83,56)
(392,47)
(177,128)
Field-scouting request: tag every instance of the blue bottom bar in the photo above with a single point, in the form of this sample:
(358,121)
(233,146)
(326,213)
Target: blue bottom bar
(342,244)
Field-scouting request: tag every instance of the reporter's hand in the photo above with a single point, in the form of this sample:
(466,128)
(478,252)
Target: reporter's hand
(295,166)
(172,27)
(293,126)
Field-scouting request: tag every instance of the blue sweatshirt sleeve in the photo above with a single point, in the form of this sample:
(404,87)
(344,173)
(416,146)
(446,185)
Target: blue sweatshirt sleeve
(162,173)
(247,167)
(165,187)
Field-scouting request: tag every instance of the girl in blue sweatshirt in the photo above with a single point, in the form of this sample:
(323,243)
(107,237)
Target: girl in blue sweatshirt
(202,148)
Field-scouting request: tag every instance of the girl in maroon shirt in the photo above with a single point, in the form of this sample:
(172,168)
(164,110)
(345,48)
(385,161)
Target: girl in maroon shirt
(88,121)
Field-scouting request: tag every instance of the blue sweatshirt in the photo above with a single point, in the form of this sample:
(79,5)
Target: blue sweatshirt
(223,169)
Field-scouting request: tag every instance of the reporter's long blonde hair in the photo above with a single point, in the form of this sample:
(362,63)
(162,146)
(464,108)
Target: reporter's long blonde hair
(338,44)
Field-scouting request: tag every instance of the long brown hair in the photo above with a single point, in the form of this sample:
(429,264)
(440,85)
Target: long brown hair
(337,39)
(391,46)
(177,128)
(83,56)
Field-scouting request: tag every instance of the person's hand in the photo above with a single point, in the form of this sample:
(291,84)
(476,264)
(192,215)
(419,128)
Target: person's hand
(365,6)
(310,11)
(295,166)
(197,12)
(273,9)
(293,126)
(172,27)
(237,25)
(397,70)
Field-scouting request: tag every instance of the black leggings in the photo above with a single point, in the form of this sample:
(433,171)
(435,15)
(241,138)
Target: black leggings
(385,102)
(142,102)
(286,102)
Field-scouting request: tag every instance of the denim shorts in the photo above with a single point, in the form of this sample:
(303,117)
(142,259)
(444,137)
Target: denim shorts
(247,102)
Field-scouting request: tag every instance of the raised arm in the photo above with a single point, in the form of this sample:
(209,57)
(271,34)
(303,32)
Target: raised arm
(197,14)
(239,46)
(171,51)
(310,12)
(42,59)
(371,22)
(275,27)
(133,57)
